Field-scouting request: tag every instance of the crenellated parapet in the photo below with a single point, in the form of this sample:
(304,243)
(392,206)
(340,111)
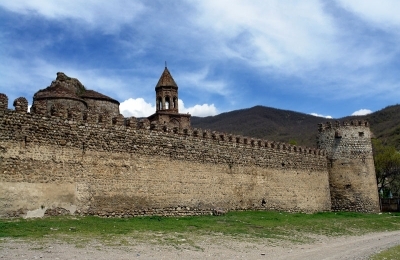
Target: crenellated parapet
(337,124)
(140,136)
(60,111)
(104,119)
(235,140)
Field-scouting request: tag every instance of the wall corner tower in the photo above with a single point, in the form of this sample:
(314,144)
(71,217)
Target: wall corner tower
(351,167)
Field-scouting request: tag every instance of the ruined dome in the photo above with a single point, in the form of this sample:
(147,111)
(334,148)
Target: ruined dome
(70,88)
(56,91)
(62,87)
(72,84)
(70,93)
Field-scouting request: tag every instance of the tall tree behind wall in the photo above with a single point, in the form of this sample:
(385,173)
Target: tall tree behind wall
(387,167)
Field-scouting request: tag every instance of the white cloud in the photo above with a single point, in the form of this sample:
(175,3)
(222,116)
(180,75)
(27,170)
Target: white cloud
(319,115)
(306,40)
(380,13)
(106,15)
(362,112)
(198,110)
(140,108)
(136,107)
(271,33)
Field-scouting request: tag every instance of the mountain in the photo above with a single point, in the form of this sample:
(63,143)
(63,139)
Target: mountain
(294,127)
(385,124)
(266,123)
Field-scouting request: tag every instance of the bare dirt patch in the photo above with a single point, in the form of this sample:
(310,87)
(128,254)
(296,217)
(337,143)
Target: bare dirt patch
(200,247)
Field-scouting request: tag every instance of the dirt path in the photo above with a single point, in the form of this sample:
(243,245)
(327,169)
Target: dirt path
(359,247)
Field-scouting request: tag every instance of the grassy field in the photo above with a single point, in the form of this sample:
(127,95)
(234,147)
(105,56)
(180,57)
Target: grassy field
(390,254)
(295,227)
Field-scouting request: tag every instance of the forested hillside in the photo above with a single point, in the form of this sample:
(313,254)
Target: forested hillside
(294,127)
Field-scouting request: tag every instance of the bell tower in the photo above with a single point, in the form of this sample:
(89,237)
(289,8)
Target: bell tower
(167,108)
(167,93)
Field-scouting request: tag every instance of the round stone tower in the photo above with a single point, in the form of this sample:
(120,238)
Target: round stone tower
(351,167)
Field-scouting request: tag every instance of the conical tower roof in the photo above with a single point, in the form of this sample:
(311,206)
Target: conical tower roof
(166,80)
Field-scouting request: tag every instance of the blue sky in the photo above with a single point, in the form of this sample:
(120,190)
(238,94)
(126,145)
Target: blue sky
(330,58)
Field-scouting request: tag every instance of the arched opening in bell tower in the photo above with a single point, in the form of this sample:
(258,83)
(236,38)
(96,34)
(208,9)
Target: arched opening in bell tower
(159,103)
(167,102)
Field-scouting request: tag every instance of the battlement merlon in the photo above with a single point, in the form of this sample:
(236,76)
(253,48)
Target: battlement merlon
(3,103)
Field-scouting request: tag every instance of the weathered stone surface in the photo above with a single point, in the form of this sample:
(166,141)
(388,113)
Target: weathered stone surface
(74,153)
(350,165)
(132,171)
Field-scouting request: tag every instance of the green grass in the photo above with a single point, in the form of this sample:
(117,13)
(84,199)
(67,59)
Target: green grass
(390,254)
(295,227)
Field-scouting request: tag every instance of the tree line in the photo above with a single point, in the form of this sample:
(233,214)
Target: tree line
(387,168)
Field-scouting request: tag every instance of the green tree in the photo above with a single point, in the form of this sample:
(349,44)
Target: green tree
(387,167)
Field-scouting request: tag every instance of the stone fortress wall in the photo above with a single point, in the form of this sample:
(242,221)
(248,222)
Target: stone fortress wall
(88,162)
(132,168)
